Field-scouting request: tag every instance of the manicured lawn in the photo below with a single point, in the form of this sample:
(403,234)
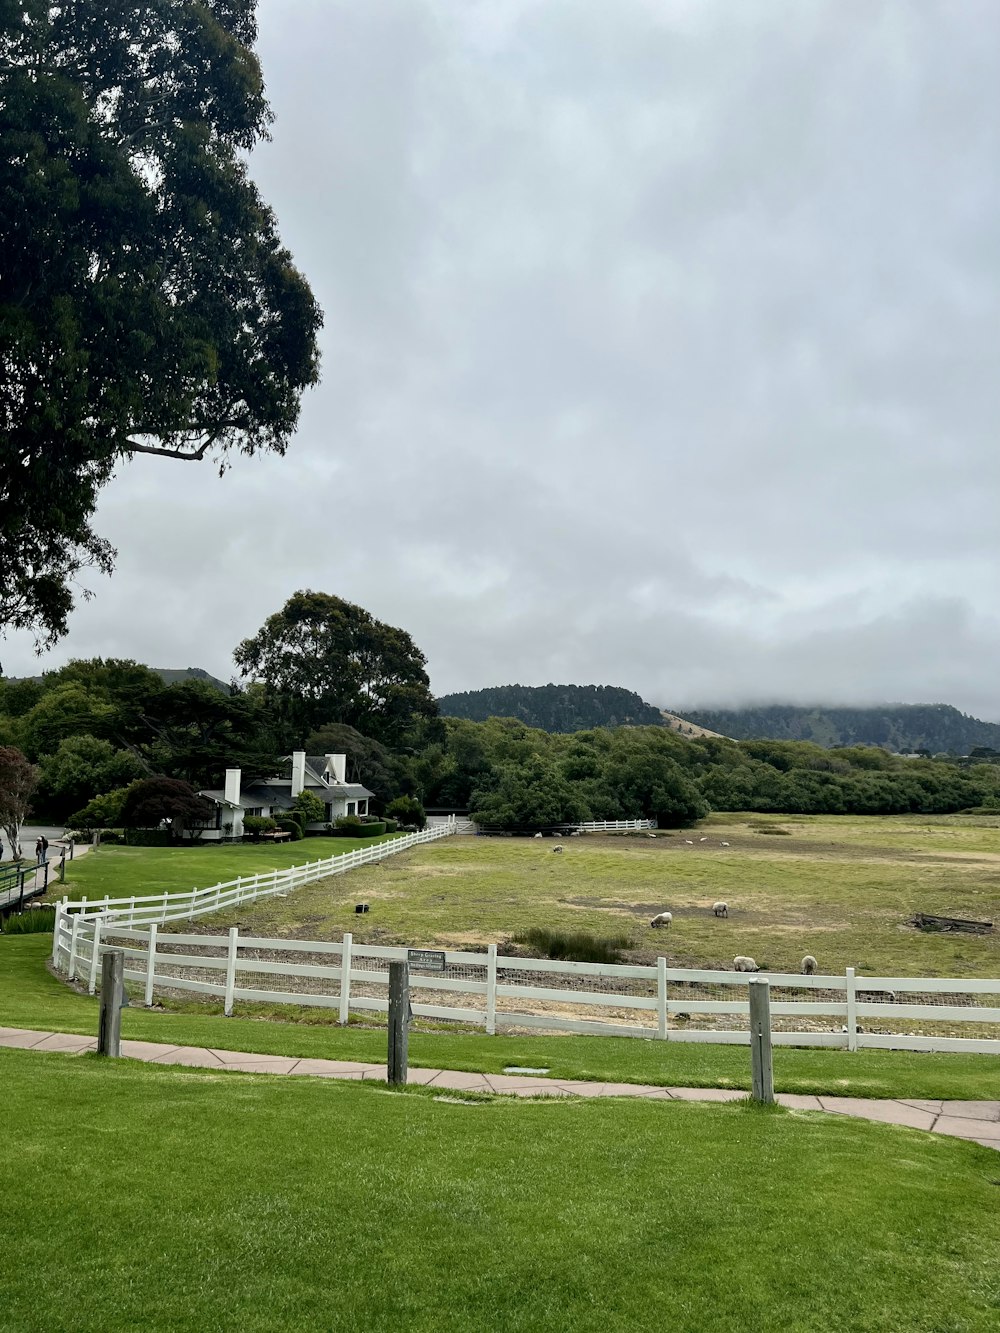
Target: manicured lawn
(134,1197)
(121,872)
(30,997)
(842,890)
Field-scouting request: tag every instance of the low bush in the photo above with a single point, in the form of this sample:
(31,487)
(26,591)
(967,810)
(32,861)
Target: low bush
(373,829)
(574,946)
(141,837)
(35,921)
(255,825)
(347,826)
(391,825)
(291,826)
(408,810)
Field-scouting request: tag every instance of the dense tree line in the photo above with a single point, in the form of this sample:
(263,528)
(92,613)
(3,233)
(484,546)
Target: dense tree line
(903,728)
(553,707)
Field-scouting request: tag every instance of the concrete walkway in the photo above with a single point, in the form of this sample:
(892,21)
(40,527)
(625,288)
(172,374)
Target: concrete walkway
(979,1121)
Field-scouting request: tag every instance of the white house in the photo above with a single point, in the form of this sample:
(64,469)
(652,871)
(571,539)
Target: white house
(325,776)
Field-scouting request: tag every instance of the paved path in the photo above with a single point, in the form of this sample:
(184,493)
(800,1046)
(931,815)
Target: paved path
(979,1121)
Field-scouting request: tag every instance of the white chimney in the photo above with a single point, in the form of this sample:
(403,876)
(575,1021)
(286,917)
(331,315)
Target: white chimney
(233,782)
(298,772)
(337,765)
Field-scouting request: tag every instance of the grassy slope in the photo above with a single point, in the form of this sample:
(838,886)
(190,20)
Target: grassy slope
(121,872)
(31,998)
(267,1204)
(841,889)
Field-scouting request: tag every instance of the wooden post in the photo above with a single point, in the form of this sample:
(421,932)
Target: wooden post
(852,1011)
(661,998)
(491,991)
(762,1072)
(71,967)
(399,1018)
(150,965)
(345,978)
(109,1030)
(57,926)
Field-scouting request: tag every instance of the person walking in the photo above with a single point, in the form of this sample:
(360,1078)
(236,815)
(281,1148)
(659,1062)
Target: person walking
(39,852)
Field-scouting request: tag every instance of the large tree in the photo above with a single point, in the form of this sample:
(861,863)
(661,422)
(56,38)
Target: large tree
(18,778)
(146,302)
(325,660)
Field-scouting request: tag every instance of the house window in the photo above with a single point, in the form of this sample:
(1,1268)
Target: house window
(256,810)
(352,808)
(362,807)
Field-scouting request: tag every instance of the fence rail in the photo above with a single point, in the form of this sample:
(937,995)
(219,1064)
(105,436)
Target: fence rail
(497,992)
(616,825)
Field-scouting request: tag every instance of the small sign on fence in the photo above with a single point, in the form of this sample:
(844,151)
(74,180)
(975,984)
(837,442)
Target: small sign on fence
(432,960)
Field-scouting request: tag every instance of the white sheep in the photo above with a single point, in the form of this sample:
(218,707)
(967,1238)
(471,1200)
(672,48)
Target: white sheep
(662,919)
(720,909)
(538,835)
(725,844)
(809,966)
(704,839)
(689,842)
(743,964)
(557,849)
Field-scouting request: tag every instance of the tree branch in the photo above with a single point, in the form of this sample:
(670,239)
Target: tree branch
(196,455)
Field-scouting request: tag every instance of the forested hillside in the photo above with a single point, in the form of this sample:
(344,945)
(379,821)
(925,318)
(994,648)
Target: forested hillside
(903,728)
(553,707)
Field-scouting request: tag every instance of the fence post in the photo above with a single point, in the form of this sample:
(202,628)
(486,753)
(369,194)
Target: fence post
(62,867)
(109,1028)
(95,954)
(131,911)
(399,1018)
(852,1011)
(150,964)
(345,977)
(56,927)
(71,972)
(234,938)
(761,1069)
(661,998)
(491,991)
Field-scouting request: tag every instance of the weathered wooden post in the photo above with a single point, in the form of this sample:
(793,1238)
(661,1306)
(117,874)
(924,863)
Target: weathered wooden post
(399,1021)
(761,1069)
(109,1030)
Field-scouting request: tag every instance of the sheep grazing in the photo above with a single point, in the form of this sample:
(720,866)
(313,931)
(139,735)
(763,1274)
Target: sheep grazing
(705,839)
(557,849)
(538,835)
(720,909)
(662,919)
(689,842)
(809,966)
(743,964)
(725,844)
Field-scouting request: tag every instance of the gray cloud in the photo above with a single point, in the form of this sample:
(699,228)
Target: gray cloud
(661,350)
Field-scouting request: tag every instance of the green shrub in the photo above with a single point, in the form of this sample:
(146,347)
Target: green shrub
(373,829)
(391,825)
(141,837)
(291,826)
(408,810)
(298,817)
(309,807)
(575,946)
(347,826)
(255,825)
(36,921)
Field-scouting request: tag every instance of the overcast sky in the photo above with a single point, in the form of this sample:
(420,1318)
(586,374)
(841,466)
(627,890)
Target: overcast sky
(662,349)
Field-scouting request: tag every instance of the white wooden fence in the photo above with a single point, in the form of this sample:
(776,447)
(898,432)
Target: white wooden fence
(496,992)
(164,907)
(616,825)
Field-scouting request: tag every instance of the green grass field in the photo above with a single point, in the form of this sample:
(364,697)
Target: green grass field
(30,997)
(842,889)
(121,872)
(133,1197)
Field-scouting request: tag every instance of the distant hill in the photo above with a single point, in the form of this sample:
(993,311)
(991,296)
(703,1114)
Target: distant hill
(554,708)
(175,675)
(903,728)
(685,727)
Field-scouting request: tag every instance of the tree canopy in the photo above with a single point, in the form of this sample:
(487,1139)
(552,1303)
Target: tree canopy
(146,302)
(323,660)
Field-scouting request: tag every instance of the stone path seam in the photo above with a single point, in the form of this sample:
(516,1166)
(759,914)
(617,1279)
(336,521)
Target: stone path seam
(974,1121)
